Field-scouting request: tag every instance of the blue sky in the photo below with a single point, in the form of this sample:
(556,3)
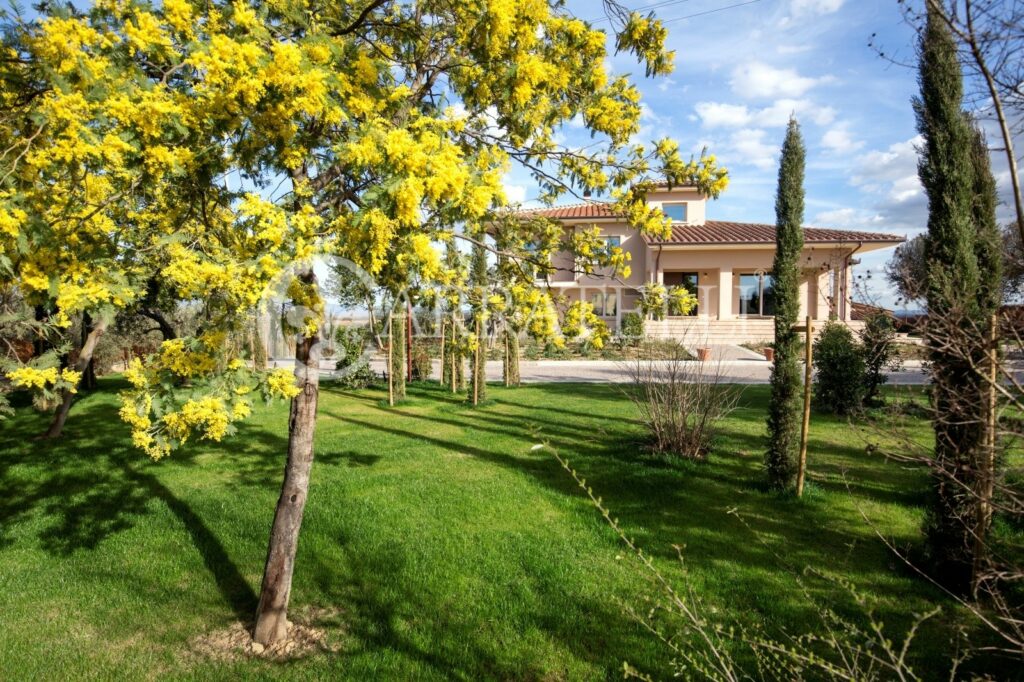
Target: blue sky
(740,72)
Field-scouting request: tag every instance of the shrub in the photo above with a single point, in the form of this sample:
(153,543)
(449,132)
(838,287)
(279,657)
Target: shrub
(349,345)
(632,328)
(653,300)
(555,352)
(421,366)
(358,375)
(353,370)
(680,402)
(880,353)
(680,301)
(839,370)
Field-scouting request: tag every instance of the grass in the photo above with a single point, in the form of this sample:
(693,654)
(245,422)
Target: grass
(444,545)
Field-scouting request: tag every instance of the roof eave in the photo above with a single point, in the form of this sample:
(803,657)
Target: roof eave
(860,243)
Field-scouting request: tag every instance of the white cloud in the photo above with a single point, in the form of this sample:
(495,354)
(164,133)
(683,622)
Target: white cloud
(892,171)
(778,113)
(516,194)
(838,140)
(847,217)
(889,178)
(802,7)
(749,145)
(648,114)
(665,83)
(723,115)
(793,49)
(757,79)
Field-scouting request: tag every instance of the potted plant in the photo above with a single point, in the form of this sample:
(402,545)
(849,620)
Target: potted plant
(703,353)
(769,353)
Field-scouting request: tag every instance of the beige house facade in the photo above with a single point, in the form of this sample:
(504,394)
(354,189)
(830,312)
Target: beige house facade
(725,264)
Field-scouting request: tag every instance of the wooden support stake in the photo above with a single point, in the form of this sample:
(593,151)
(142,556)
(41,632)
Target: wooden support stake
(476,366)
(986,484)
(801,471)
(440,379)
(507,363)
(391,368)
(408,341)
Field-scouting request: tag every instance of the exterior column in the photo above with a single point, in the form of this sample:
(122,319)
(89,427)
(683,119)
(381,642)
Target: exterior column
(835,294)
(804,294)
(725,311)
(847,292)
(821,295)
(618,309)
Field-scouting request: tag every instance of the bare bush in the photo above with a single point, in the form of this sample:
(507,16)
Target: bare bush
(680,400)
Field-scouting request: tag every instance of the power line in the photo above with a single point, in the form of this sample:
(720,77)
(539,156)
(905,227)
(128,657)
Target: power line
(656,5)
(710,11)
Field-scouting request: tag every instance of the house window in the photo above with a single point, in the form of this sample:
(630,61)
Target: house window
(604,303)
(687,280)
(757,295)
(610,242)
(677,212)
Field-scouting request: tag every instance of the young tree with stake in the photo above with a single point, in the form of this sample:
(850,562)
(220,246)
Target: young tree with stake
(781,460)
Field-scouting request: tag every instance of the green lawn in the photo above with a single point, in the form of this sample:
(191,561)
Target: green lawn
(436,541)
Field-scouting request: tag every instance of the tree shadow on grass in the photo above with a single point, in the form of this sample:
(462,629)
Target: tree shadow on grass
(664,509)
(389,609)
(90,485)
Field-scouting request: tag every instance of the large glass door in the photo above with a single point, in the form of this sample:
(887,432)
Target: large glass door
(757,295)
(687,280)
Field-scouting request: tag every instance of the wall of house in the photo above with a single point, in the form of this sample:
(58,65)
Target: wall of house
(719,269)
(630,241)
(696,209)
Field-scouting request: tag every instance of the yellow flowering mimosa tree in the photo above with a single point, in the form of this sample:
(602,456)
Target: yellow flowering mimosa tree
(228,144)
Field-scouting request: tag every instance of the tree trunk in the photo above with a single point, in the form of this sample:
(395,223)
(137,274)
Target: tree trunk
(84,359)
(259,351)
(272,612)
(89,373)
(166,328)
(373,324)
(1004,128)
(511,357)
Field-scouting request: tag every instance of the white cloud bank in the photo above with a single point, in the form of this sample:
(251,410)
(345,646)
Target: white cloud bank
(756,79)
(804,7)
(724,115)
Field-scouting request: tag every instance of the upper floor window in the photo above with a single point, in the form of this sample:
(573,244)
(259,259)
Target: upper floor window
(677,212)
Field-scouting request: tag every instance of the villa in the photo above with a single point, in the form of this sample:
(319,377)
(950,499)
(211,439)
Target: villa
(726,265)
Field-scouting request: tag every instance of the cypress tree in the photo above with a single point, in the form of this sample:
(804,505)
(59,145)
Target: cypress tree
(963,284)
(478,277)
(784,408)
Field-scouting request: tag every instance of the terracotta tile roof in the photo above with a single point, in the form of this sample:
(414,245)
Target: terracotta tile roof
(593,209)
(728,232)
(716,231)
